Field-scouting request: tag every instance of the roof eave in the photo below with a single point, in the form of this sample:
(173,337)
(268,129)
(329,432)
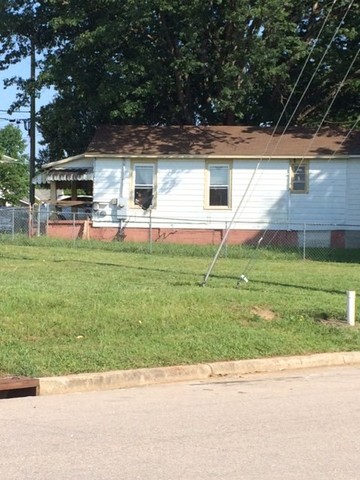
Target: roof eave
(122,156)
(64,161)
(216,156)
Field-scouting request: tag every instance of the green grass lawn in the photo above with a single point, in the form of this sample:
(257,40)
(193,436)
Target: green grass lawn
(114,306)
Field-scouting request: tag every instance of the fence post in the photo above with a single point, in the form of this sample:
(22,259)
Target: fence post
(226,244)
(47,219)
(30,222)
(13,224)
(304,243)
(150,232)
(74,230)
(38,232)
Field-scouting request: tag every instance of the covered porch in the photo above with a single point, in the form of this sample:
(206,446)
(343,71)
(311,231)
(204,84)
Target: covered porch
(71,192)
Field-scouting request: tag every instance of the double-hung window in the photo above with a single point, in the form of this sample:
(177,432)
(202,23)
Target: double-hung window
(144,184)
(299,176)
(218,185)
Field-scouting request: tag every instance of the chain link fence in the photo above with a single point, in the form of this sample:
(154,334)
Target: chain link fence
(322,242)
(15,221)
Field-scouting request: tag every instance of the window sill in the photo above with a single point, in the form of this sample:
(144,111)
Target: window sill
(217,208)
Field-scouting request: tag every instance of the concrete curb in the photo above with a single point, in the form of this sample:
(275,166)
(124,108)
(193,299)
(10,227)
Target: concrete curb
(87,382)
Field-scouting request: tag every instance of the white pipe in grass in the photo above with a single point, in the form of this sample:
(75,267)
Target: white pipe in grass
(350,311)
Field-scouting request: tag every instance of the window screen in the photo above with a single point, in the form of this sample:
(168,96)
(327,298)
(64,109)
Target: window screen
(299,176)
(219,185)
(144,185)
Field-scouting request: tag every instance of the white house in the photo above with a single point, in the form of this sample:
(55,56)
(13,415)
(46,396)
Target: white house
(189,184)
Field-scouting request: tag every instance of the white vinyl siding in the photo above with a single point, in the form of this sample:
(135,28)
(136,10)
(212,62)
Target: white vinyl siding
(264,197)
(353,193)
(326,201)
(107,188)
(180,190)
(107,178)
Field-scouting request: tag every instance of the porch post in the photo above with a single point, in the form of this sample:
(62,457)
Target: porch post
(74,195)
(53,196)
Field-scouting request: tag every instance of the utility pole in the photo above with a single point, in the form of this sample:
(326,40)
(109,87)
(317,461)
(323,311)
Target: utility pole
(32,124)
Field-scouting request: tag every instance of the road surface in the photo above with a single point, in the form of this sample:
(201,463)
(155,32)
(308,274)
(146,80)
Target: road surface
(293,425)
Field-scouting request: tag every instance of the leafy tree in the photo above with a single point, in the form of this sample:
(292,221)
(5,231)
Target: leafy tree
(13,174)
(12,143)
(341,41)
(175,62)
(162,62)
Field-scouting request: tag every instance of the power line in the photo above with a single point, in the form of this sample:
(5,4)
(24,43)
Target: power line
(18,111)
(274,130)
(315,42)
(14,120)
(314,73)
(332,101)
(243,277)
(206,277)
(24,121)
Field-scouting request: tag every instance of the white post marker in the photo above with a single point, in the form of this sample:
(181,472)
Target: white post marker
(350,307)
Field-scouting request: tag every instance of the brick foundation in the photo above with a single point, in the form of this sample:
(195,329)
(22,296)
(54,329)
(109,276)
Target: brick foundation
(82,229)
(337,239)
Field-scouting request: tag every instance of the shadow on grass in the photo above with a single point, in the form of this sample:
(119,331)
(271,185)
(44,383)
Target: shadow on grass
(235,278)
(301,287)
(276,284)
(215,276)
(266,252)
(105,264)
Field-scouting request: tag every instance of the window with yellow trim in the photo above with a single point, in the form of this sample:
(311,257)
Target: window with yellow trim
(299,176)
(144,184)
(218,185)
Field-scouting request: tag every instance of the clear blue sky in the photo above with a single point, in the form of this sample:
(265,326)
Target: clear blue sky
(8,96)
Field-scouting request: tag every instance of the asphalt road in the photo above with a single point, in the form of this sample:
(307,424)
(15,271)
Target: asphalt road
(295,425)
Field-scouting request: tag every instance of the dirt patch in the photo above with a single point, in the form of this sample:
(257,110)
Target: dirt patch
(264,313)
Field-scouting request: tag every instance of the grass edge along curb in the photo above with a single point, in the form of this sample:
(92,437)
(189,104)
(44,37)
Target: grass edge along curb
(87,382)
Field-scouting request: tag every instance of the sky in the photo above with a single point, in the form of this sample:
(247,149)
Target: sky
(8,96)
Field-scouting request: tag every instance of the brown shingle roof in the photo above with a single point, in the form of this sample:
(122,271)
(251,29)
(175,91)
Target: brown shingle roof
(221,140)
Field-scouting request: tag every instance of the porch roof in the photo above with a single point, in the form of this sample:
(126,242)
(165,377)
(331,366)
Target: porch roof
(63,175)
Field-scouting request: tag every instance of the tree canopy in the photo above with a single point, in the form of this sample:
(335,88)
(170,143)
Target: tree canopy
(13,174)
(175,62)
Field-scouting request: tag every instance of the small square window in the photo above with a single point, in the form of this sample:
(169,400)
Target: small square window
(299,176)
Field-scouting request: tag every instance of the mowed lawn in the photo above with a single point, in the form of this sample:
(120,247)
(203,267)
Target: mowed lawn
(69,310)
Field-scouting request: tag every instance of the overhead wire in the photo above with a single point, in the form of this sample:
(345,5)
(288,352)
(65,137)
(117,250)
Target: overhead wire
(346,137)
(244,276)
(18,111)
(308,84)
(207,275)
(342,83)
(316,69)
(314,44)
